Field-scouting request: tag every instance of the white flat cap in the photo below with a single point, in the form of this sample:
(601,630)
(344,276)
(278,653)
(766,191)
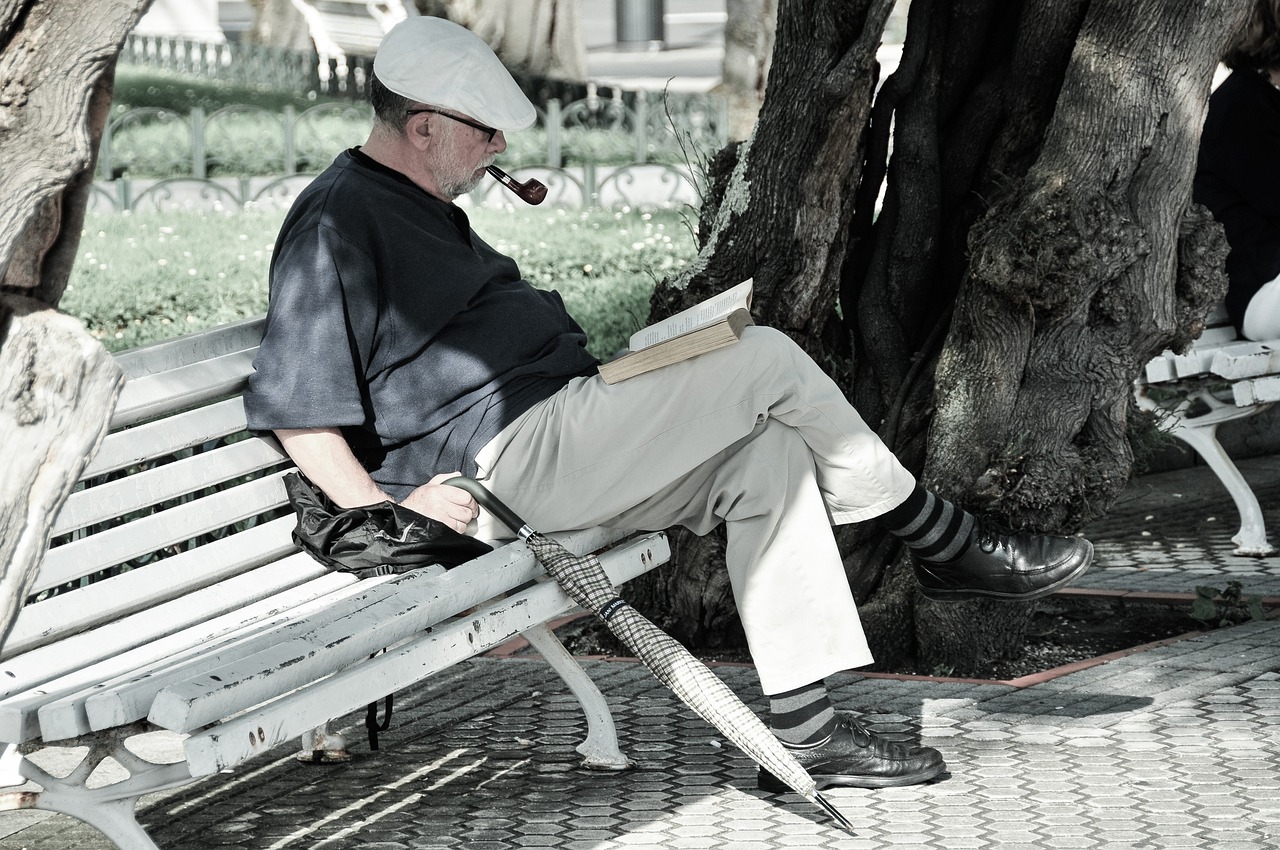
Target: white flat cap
(434,61)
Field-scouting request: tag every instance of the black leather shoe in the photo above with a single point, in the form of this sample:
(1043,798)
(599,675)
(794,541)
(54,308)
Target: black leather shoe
(1013,567)
(857,757)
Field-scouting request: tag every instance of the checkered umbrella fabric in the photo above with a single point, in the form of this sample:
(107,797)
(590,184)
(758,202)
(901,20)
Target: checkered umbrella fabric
(585,581)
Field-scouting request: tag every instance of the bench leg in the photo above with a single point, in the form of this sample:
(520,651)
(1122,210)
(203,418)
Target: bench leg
(600,750)
(1251,540)
(110,808)
(323,746)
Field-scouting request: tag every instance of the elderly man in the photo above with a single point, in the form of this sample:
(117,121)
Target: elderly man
(401,348)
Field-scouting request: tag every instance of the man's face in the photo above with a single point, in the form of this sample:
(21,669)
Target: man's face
(460,153)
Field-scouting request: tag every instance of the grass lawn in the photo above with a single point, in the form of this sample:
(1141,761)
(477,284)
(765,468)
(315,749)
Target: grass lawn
(144,277)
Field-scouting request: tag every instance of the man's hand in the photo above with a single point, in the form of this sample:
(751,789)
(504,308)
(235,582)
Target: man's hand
(450,505)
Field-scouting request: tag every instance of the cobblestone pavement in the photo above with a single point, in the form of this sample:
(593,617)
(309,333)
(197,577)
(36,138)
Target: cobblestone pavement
(1174,746)
(1172,531)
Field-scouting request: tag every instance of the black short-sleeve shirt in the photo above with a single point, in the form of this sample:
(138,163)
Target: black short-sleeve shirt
(391,319)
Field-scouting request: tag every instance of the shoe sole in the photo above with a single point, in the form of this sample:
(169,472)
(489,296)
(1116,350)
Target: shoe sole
(769,782)
(961,594)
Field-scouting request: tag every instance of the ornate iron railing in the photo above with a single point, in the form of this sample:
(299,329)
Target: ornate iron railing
(246,140)
(638,185)
(592,152)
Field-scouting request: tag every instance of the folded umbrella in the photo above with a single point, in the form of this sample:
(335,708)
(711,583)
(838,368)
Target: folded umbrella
(584,579)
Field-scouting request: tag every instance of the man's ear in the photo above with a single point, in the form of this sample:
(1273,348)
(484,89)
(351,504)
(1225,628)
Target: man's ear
(418,131)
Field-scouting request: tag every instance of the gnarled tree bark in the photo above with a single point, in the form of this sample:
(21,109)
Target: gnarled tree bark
(1020,266)
(1073,285)
(57,385)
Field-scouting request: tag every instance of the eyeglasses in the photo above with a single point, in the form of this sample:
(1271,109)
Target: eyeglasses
(488,131)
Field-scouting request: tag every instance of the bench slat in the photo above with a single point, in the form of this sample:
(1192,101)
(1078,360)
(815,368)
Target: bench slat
(152,533)
(164,436)
(31,669)
(1246,360)
(65,715)
(152,396)
(1168,366)
(128,699)
(1197,360)
(1257,391)
(1160,369)
(192,348)
(255,732)
(350,632)
(55,710)
(51,619)
(154,486)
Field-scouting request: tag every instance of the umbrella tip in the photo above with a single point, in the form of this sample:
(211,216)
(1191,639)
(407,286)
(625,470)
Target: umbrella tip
(835,813)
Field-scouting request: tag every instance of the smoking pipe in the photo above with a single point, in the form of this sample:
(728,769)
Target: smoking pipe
(531,191)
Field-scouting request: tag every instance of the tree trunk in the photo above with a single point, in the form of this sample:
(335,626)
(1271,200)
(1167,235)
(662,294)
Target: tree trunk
(1034,362)
(278,23)
(748,51)
(58,385)
(970,103)
(540,37)
(1071,288)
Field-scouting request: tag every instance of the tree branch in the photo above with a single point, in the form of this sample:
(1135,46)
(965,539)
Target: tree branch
(855,66)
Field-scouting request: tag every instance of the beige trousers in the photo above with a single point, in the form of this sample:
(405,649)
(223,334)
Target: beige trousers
(754,435)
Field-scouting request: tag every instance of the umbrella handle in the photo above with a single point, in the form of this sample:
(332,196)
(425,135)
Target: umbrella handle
(492,504)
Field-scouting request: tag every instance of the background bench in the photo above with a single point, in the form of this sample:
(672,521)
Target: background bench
(173,598)
(1219,379)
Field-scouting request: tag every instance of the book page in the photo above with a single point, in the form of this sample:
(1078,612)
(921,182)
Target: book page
(711,310)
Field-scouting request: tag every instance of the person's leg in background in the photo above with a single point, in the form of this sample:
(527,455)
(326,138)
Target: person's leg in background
(1262,316)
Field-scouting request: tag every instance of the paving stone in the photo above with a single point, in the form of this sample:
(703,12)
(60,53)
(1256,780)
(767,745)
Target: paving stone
(1173,747)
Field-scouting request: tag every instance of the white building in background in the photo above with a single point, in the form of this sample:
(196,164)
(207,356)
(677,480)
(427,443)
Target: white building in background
(235,17)
(197,20)
(337,27)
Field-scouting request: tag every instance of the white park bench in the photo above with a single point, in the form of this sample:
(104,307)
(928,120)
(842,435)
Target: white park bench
(174,599)
(1220,378)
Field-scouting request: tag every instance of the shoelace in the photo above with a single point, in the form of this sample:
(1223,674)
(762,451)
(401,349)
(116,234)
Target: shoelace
(987,538)
(880,747)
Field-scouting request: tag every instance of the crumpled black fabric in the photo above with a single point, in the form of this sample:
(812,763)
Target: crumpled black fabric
(376,539)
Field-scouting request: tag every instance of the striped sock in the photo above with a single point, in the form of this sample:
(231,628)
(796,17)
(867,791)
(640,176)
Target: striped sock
(933,528)
(804,716)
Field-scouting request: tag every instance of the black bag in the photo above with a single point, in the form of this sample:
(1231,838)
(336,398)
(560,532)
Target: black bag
(376,539)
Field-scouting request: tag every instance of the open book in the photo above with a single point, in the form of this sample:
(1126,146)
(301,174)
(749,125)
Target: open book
(704,327)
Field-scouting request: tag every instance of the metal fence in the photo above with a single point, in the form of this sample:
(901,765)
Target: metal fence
(638,185)
(251,140)
(593,152)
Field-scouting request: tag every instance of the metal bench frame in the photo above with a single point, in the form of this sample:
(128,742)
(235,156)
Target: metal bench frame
(1220,378)
(236,640)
